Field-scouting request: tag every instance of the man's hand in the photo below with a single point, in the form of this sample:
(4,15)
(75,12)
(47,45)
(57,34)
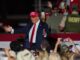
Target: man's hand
(7,28)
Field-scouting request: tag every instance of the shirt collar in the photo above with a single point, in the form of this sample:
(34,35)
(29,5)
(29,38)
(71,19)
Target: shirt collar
(38,22)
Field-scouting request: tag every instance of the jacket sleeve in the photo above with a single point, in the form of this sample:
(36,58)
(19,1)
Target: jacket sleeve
(19,30)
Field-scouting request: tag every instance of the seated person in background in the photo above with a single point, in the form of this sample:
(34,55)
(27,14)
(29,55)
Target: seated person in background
(35,32)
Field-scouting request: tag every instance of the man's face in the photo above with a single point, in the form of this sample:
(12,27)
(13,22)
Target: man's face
(34,19)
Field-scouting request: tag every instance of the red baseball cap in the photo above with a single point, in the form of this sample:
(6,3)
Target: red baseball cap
(34,14)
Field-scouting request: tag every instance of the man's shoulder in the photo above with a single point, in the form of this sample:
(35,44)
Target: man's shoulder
(43,23)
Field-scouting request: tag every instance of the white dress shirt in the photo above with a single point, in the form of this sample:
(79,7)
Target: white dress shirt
(35,33)
(12,32)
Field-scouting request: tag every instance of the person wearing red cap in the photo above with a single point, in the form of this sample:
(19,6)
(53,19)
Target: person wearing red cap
(35,32)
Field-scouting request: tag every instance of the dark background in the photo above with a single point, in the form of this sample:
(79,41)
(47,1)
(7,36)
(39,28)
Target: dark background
(19,7)
(12,7)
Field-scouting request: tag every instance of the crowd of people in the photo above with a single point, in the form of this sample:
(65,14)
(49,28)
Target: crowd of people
(64,53)
(35,45)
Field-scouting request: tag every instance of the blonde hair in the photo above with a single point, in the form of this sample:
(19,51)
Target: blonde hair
(54,56)
(68,56)
(25,55)
(43,55)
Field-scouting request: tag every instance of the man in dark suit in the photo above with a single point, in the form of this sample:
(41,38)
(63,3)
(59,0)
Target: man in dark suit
(35,32)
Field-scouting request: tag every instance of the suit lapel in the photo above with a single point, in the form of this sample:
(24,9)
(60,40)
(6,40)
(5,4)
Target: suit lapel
(39,27)
(39,31)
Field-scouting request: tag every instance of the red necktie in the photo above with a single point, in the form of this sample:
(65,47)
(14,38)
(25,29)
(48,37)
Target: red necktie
(31,39)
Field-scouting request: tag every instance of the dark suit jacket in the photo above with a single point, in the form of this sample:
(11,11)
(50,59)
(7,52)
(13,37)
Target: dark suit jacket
(39,36)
